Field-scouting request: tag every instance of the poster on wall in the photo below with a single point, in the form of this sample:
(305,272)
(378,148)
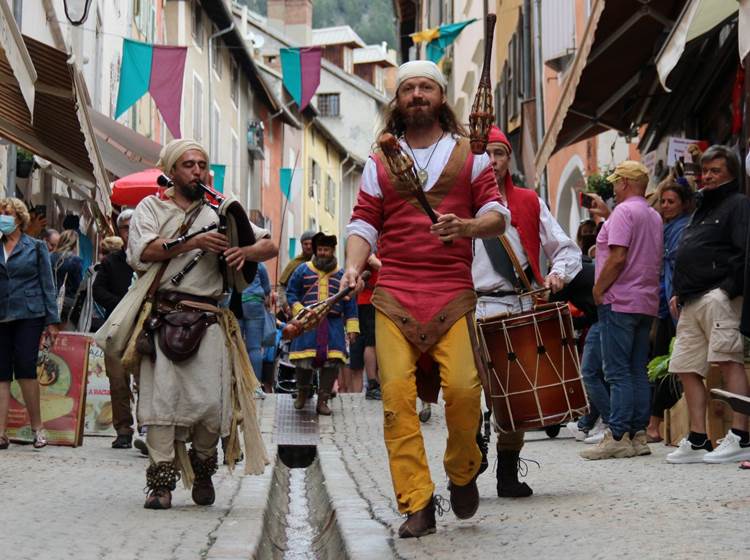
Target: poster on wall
(678,148)
(62,373)
(98,420)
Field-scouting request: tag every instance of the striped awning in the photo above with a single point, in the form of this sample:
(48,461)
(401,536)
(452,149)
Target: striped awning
(55,125)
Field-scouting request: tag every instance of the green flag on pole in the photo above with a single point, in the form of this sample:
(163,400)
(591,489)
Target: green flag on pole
(440,38)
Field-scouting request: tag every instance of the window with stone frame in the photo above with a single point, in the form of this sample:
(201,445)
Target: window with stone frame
(330,196)
(235,91)
(328,104)
(198,30)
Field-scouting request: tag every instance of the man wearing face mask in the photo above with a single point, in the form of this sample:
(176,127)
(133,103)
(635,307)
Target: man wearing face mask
(532,229)
(325,346)
(187,398)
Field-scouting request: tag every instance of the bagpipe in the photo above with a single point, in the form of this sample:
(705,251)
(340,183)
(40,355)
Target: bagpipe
(232,221)
(310,317)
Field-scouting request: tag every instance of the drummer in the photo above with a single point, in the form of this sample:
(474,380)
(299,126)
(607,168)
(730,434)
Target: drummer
(497,283)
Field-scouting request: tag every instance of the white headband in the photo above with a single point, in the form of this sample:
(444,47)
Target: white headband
(420,69)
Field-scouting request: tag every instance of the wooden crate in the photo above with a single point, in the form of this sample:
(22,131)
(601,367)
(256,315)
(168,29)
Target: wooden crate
(718,414)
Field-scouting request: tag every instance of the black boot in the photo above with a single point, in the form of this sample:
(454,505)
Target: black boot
(508,485)
(123,441)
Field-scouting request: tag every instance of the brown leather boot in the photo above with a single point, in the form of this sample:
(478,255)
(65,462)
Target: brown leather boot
(419,523)
(161,479)
(303,391)
(203,487)
(322,407)
(464,499)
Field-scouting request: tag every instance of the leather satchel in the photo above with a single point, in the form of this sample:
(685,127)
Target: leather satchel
(181,332)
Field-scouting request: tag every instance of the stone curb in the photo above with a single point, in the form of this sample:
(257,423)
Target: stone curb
(240,533)
(363,537)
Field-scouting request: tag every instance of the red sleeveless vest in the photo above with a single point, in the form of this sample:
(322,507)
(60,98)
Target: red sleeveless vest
(524,216)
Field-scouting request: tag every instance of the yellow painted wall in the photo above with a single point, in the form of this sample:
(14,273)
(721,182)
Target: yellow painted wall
(319,150)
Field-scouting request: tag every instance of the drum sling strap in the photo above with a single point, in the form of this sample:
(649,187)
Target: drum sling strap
(505,262)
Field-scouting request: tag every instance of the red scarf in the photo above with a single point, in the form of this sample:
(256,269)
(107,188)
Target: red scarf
(524,216)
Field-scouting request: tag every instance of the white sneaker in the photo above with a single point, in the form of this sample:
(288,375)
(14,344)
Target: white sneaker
(575,431)
(728,451)
(595,437)
(259,393)
(686,453)
(599,427)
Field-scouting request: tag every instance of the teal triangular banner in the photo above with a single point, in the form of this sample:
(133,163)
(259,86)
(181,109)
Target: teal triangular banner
(135,74)
(291,71)
(220,171)
(448,34)
(285,181)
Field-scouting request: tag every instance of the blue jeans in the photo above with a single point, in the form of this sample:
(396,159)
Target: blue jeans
(593,378)
(252,331)
(625,347)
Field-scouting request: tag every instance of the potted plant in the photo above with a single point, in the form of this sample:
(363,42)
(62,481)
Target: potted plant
(597,183)
(24,163)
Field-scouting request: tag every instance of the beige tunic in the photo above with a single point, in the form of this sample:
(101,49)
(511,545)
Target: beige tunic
(196,390)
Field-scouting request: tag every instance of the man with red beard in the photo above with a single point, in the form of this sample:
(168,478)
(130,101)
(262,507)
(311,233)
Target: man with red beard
(532,227)
(424,298)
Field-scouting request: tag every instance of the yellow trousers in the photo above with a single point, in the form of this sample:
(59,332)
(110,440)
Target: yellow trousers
(459,380)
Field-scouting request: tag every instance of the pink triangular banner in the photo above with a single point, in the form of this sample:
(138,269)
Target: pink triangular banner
(167,73)
(309,62)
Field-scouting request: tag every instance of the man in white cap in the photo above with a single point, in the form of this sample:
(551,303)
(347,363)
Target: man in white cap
(425,296)
(186,399)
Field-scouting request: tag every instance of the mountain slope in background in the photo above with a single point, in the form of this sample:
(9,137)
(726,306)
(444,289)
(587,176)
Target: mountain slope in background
(372,19)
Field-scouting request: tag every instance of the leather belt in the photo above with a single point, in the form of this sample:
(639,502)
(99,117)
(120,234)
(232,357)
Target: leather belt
(501,293)
(177,301)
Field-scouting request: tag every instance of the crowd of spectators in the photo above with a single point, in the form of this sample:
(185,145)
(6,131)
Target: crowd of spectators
(671,281)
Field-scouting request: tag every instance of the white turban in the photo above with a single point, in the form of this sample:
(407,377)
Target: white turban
(420,69)
(171,153)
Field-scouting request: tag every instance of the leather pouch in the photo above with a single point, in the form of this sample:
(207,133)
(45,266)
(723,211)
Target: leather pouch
(144,344)
(180,333)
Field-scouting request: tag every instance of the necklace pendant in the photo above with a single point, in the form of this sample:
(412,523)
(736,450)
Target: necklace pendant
(423,176)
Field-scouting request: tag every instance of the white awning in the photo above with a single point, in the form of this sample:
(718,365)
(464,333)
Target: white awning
(698,17)
(17,57)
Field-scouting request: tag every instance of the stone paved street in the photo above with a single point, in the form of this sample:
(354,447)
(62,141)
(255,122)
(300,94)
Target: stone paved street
(640,507)
(86,503)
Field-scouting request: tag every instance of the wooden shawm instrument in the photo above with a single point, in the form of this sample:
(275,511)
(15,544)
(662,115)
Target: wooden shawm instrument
(310,317)
(402,166)
(482,114)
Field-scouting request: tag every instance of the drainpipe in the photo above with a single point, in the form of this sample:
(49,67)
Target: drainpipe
(538,93)
(210,81)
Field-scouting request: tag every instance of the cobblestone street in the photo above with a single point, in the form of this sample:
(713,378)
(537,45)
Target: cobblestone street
(640,507)
(86,503)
